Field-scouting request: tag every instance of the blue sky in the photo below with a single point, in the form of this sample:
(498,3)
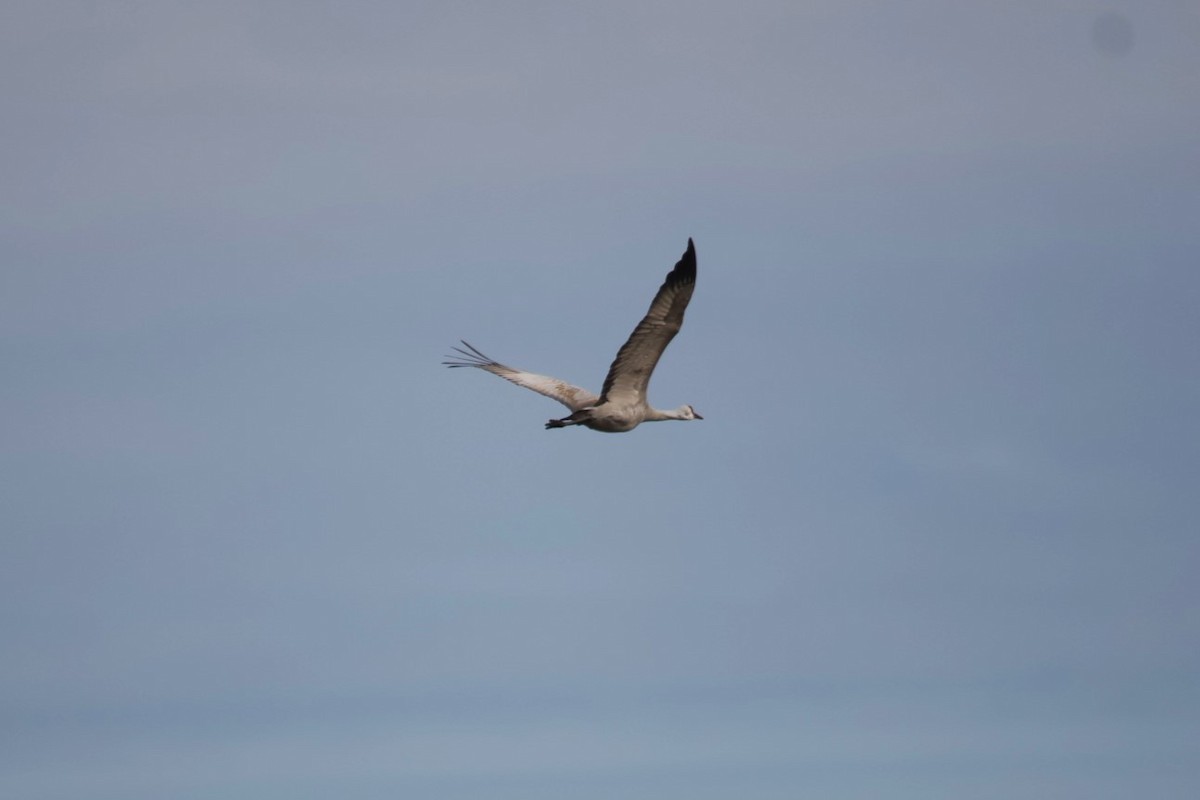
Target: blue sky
(935,537)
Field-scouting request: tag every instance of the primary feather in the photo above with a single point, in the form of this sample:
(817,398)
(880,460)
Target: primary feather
(573,397)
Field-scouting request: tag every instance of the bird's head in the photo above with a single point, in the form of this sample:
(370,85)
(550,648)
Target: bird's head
(687,412)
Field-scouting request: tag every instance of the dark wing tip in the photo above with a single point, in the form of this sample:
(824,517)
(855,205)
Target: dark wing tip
(685,269)
(467,358)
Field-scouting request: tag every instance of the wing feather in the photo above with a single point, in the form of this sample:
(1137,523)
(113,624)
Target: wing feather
(570,396)
(630,372)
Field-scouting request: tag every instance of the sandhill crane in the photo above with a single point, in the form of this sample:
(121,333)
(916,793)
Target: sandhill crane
(621,405)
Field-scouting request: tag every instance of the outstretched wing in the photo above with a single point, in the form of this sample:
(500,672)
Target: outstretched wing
(570,396)
(630,372)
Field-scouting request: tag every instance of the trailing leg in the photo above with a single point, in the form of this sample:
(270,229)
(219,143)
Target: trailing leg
(578,418)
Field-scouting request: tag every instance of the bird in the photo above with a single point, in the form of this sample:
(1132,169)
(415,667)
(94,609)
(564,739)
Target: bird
(621,405)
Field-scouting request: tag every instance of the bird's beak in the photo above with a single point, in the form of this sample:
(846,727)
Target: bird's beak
(697,416)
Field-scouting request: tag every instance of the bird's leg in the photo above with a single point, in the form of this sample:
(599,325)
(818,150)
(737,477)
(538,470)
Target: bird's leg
(577,418)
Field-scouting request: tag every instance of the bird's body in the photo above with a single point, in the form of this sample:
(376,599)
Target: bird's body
(621,405)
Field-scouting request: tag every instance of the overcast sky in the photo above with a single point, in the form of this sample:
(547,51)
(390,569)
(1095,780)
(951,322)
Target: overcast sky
(936,536)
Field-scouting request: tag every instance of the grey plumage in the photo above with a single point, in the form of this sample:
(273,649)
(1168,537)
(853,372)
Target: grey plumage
(621,405)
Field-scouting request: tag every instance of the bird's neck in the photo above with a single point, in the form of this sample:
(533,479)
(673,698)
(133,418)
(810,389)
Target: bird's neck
(657,415)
